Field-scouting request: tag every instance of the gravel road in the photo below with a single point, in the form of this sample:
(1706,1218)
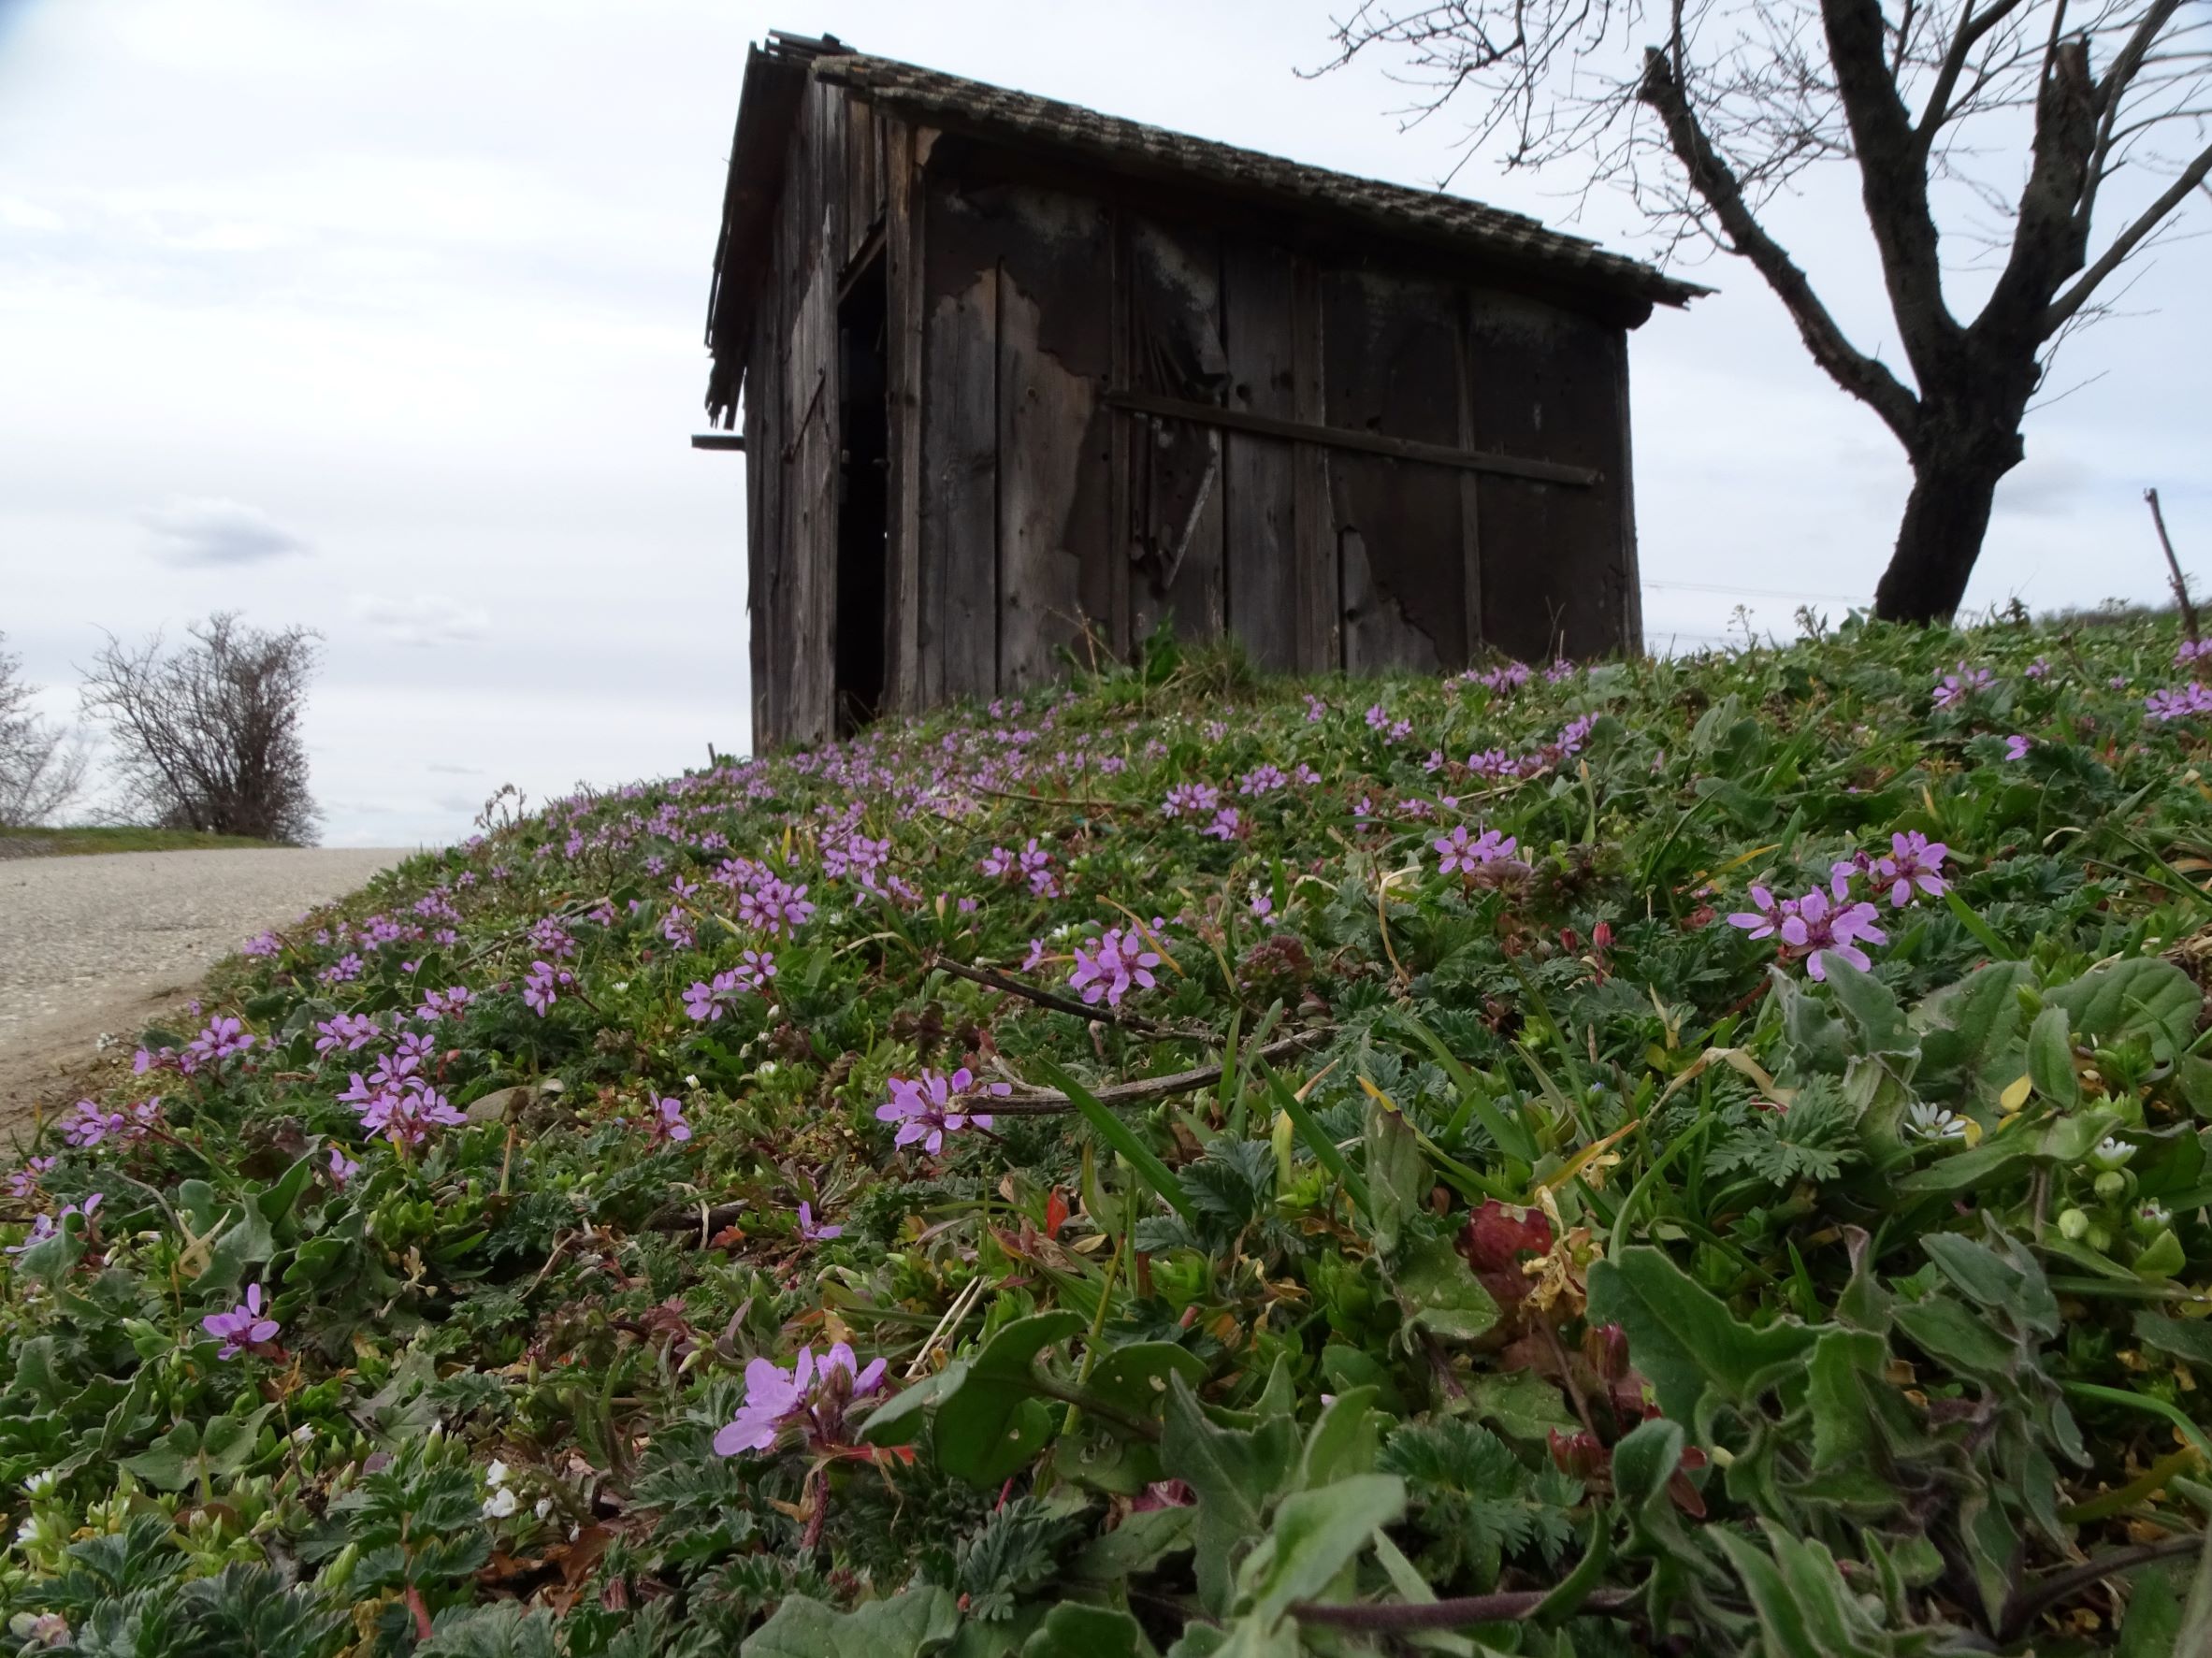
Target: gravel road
(89,945)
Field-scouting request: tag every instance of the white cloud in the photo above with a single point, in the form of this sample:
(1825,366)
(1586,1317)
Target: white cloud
(421,621)
(208,530)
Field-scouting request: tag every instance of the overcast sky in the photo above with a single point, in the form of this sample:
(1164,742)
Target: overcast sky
(387,319)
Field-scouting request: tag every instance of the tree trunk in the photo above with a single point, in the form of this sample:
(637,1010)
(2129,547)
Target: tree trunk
(1955,481)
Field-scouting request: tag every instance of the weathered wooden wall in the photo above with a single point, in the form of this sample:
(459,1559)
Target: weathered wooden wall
(1028,516)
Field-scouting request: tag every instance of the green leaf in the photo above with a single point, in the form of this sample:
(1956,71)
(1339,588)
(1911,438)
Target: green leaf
(1683,1338)
(1133,1379)
(1519,1403)
(992,1426)
(1397,1174)
(1969,1028)
(1073,1630)
(2182,1338)
(1509,1133)
(1646,1460)
(1876,1019)
(1440,1293)
(2012,1283)
(1845,1365)
(1316,1536)
(1342,1442)
(276,1201)
(1119,1135)
(1138,1544)
(1236,1473)
(905,1626)
(189,1454)
(898,1418)
(1950,1335)
(2050,1057)
(1323,1148)
(2142,996)
(2153,1624)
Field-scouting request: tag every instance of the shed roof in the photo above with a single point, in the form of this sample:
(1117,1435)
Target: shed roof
(776,74)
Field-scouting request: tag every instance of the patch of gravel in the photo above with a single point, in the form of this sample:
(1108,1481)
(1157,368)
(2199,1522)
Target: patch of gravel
(86,941)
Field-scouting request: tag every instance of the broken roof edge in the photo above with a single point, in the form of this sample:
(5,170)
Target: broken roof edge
(776,74)
(1434,216)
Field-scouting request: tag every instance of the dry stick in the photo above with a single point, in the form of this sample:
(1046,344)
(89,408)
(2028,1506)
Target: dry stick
(1082,1010)
(1051,1103)
(2189,610)
(1065,801)
(2029,1601)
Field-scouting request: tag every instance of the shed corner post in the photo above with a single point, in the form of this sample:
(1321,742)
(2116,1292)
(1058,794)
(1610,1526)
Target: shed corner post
(1630,562)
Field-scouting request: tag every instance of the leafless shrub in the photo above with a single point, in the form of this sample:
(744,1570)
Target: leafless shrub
(42,762)
(206,737)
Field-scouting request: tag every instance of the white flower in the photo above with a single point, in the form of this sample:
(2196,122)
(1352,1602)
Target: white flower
(1932,1122)
(501,1503)
(496,1474)
(543,1507)
(304,1433)
(2111,1154)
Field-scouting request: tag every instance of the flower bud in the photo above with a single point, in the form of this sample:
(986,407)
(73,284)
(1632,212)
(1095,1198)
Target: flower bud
(2111,1184)
(2074,1224)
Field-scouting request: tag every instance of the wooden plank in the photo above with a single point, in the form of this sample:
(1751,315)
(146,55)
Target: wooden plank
(811,674)
(958,514)
(1554,570)
(1470,538)
(1392,369)
(903,232)
(1123,543)
(1630,562)
(1259,542)
(1318,599)
(1333,436)
(756,548)
(1054,352)
(1174,316)
(719,441)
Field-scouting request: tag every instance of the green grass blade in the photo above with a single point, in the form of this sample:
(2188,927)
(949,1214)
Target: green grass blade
(1122,1138)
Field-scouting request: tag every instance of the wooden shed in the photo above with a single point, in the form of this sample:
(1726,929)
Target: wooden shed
(1019,378)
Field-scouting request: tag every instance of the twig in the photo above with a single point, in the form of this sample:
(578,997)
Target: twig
(1060,800)
(1067,1004)
(1402,1617)
(2028,1600)
(2189,610)
(1052,1102)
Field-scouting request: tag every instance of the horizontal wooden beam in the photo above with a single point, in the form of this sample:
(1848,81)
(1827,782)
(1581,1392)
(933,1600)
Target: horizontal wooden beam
(717,440)
(1298,431)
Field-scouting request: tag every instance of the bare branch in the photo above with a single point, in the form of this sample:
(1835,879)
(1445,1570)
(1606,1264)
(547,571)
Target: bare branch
(2146,221)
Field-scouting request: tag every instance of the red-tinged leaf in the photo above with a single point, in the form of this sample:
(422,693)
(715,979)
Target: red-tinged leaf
(1497,1239)
(1056,1212)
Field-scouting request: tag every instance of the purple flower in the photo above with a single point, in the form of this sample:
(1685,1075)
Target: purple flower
(224,1038)
(703,1001)
(1035,959)
(807,1395)
(350,1032)
(243,1327)
(1510,677)
(2189,650)
(1190,800)
(49,1226)
(930,1107)
(1915,861)
(1262,780)
(1959,683)
(446,1004)
(2178,703)
(2016,747)
(342,1168)
(1108,967)
(1227,825)
(1766,918)
(1378,718)
(1466,855)
(2039,668)
(1819,928)
(1315,709)
(264,943)
(810,1232)
(667,1122)
(23,1181)
(541,987)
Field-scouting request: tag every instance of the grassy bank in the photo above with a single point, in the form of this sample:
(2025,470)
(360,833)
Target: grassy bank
(1698,1156)
(82,842)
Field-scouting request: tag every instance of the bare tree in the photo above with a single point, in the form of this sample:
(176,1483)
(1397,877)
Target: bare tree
(206,737)
(42,762)
(2019,119)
